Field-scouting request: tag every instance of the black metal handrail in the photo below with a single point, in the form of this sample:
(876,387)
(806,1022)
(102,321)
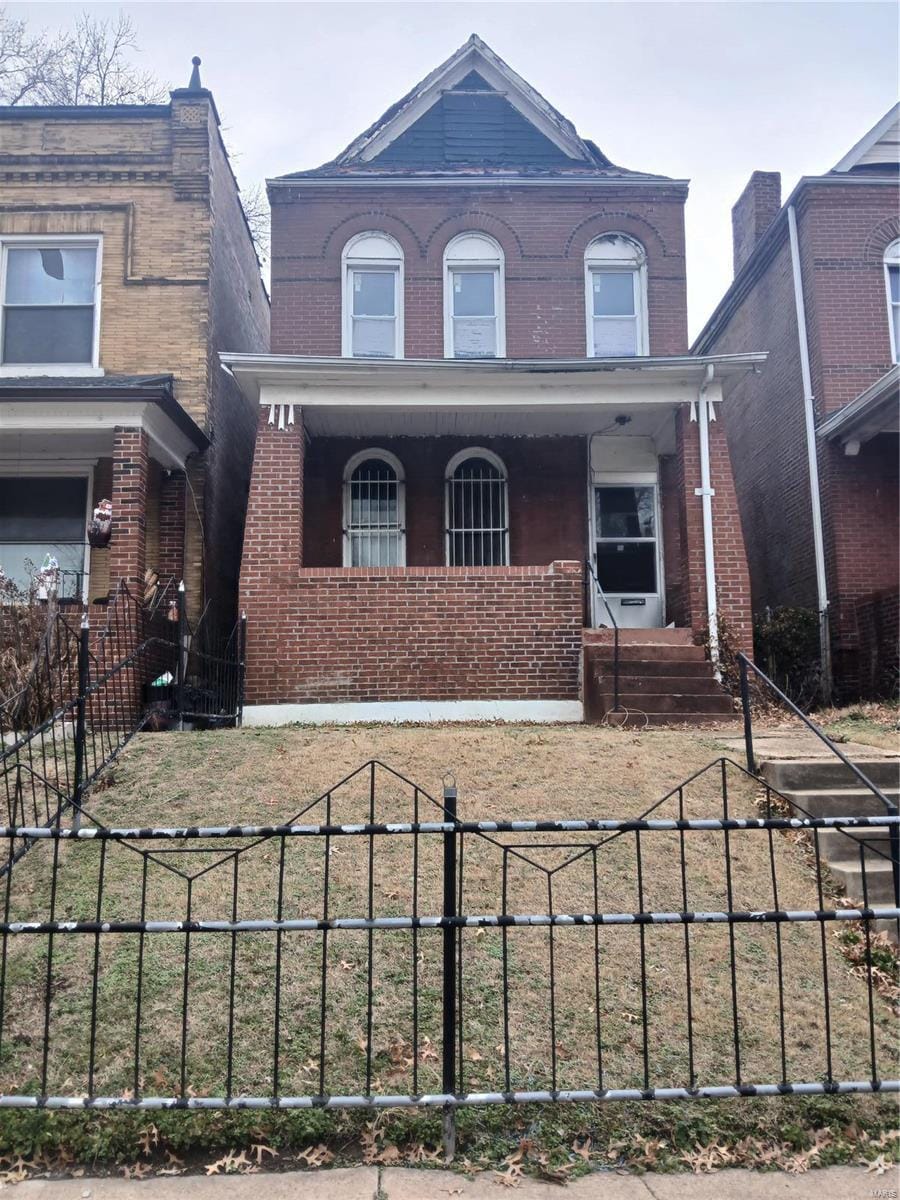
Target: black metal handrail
(891,809)
(615,626)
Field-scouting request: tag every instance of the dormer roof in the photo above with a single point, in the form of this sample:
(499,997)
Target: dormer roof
(876,150)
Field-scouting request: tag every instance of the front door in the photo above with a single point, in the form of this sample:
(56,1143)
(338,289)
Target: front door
(626,555)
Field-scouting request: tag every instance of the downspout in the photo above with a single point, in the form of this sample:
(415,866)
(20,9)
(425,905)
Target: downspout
(705,492)
(812,458)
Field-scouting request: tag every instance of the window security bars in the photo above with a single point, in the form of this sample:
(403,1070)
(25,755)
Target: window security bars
(373,531)
(381,950)
(477,520)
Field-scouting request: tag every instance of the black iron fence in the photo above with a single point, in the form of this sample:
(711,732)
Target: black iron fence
(92,688)
(380,950)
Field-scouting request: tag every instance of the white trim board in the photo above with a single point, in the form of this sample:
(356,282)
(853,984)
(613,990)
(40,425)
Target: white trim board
(416,712)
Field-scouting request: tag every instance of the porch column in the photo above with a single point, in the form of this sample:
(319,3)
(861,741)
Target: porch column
(273,543)
(732,575)
(127,546)
(171,525)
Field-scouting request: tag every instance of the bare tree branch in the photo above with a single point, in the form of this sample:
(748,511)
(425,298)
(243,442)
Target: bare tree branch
(91,64)
(256,209)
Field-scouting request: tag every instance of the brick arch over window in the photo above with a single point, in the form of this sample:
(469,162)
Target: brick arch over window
(473,220)
(373,218)
(880,238)
(615,221)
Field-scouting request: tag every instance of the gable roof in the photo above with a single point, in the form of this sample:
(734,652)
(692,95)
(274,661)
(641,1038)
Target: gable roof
(472,115)
(879,147)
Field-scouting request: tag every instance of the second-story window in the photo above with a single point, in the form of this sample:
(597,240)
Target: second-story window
(49,314)
(373,297)
(474,318)
(616,297)
(892,280)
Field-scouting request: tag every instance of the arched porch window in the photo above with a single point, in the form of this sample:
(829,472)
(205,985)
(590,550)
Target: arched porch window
(477,510)
(374,511)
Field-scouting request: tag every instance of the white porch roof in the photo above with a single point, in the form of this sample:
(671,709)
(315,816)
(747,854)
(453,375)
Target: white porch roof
(518,397)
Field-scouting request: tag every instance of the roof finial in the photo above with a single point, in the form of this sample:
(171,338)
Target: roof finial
(195,85)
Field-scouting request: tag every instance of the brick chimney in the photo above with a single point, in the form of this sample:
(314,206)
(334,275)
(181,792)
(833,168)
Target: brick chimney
(754,212)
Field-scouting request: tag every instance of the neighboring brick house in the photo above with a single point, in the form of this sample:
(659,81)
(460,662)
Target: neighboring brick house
(844,259)
(127,264)
(479,380)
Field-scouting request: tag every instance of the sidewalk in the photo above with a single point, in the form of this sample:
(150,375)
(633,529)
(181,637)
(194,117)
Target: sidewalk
(368,1183)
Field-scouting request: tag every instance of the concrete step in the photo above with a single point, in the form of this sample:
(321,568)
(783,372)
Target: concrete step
(688,685)
(842,802)
(843,843)
(658,667)
(674,702)
(830,772)
(879,879)
(642,719)
(642,637)
(643,653)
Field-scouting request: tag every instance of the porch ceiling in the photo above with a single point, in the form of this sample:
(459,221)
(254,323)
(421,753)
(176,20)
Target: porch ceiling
(483,421)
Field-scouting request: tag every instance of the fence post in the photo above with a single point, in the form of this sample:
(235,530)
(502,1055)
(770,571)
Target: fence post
(180,663)
(242,669)
(448,1082)
(80,708)
(748,720)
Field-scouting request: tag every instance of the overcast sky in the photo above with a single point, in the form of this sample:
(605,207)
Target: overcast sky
(703,91)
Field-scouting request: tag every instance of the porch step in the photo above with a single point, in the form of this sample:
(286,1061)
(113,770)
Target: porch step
(673,670)
(845,843)
(840,802)
(642,652)
(641,637)
(825,773)
(879,882)
(639,718)
(679,703)
(700,683)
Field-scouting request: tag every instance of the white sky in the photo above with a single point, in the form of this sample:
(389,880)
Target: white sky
(703,91)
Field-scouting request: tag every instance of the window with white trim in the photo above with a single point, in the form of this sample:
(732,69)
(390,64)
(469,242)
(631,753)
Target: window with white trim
(374,511)
(892,283)
(477,510)
(474,303)
(615,269)
(50,292)
(42,526)
(372,269)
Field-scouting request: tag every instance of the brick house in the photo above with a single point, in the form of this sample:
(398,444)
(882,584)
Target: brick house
(479,395)
(126,265)
(814,439)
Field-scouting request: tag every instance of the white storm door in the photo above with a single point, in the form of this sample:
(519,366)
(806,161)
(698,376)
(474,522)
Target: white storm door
(626,554)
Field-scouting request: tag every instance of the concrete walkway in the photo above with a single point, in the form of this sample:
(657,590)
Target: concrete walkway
(370,1183)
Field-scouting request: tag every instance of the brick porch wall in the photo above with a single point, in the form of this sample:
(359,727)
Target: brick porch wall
(418,633)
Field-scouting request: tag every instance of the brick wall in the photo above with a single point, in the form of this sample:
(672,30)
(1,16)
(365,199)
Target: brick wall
(877,656)
(179,279)
(427,633)
(543,233)
(547,491)
(128,545)
(843,232)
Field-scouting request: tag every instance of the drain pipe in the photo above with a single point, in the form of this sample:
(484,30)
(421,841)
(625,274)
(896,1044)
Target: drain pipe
(812,458)
(706,492)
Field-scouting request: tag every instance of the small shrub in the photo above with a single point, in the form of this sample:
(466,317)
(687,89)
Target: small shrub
(786,647)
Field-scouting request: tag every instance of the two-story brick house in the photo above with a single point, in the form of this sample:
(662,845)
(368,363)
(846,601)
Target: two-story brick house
(479,383)
(814,438)
(127,264)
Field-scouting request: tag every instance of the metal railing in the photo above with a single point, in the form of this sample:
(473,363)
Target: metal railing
(592,574)
(371,952)
(746,666)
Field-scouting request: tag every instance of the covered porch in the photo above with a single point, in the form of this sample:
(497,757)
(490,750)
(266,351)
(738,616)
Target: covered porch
(489,500)
(65,445)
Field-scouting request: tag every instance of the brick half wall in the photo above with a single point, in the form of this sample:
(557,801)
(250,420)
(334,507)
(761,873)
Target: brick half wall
(418,633)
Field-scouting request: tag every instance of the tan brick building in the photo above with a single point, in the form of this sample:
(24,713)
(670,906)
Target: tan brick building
(127,264)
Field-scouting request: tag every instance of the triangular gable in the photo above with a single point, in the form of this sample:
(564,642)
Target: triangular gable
(878,148)
(474,99)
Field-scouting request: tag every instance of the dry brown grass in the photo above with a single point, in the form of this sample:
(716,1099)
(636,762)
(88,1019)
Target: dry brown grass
(501,772)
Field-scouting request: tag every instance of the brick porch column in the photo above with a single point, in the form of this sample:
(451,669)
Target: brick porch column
(273,544)
(127,546)
(732,575)
(171,525)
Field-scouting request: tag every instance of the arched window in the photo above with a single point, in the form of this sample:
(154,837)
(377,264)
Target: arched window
(372,272)
(892,281)
(374,511)
(474,304)
(615,272)
(477,510)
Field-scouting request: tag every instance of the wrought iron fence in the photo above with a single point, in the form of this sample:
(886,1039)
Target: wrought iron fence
(380,950)
(91,689)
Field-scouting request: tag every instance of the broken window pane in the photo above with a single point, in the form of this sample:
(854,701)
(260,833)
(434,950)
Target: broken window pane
(50,276)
